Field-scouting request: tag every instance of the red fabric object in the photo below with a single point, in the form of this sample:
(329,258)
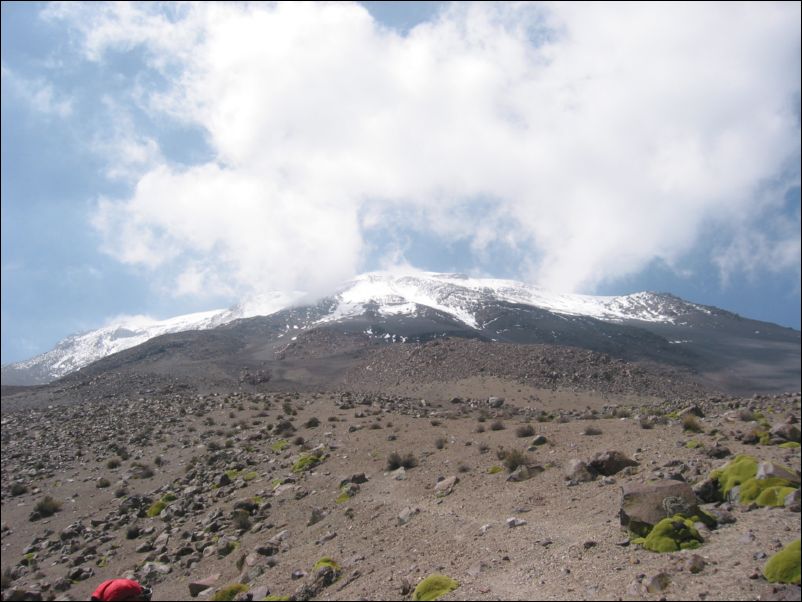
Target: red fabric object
(118,589)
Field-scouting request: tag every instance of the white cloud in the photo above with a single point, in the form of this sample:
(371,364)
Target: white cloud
(593,139)
(37,93)
(128,153)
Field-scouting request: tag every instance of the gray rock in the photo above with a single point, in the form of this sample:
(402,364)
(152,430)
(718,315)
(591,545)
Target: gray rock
(695,564)
(80,573)
(495,402)
(539,440)
(645,504)
(197,586)
(513,522)
(406,515)
(519,474)
(792,501)
(446,486)
(768,470)
(657,583)
(609,462)
(788,432)
(22,593)
(316,516)
(693,410)
(707,491)
(151,572)
(578,470)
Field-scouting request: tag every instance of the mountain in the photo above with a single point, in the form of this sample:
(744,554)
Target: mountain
(727,350)
(79,350)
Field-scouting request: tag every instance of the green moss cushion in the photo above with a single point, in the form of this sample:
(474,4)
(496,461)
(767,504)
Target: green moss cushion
(752,489)
(433,587)
(784,566)
(740,470)
(671,535)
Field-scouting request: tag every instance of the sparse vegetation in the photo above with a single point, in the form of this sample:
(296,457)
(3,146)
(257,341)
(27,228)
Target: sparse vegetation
(514,458)
(497,426)
(241,520)
(395,461)
(313,422)
(284,427)
(691,423)
(526,430)
(113,463)
(280,445)
(47,506)
(102,483)
(591,431)
(440,442)
(229,592)
(306,462)
(18,488)
(327,562)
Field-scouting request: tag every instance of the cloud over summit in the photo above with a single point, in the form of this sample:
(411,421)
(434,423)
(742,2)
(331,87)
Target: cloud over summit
(589,139)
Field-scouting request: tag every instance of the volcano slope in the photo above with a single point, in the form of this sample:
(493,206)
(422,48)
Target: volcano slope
(177,478)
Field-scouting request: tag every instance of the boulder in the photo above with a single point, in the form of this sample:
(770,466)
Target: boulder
(578,471)
(788,432)
(643,505)
(609,462)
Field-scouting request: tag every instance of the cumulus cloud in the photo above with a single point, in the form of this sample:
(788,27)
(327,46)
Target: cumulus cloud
(589,139)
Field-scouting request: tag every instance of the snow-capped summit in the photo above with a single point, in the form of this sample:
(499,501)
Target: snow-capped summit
(389,294)
(461,296)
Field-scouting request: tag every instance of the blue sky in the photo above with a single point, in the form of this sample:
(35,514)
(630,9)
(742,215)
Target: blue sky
(160,159)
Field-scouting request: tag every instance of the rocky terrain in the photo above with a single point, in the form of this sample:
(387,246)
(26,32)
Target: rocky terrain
(511,487)
(326,359)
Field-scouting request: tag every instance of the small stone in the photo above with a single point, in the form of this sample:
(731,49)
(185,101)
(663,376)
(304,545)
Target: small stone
(513,522)
(495,402)
(767,470)
(657,583)
(446,486)
(406,515)
(199,585)
(792,501)
(695,564)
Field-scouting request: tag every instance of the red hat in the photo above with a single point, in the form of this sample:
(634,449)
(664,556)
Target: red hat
(118,589)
